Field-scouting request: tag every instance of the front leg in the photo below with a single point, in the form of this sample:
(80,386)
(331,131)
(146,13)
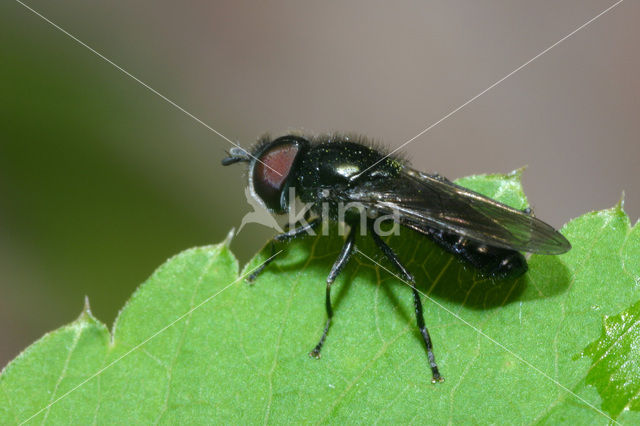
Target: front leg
(285,236)
(341,261)
(417,303)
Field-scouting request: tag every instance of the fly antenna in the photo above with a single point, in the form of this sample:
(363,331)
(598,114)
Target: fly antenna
(236,155)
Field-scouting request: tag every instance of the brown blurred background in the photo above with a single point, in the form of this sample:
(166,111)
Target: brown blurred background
(101,180)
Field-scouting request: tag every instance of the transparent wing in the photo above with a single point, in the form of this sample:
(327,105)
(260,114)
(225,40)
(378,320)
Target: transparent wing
(421,201)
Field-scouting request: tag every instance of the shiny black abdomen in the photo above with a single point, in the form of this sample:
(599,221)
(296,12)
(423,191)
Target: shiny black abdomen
(490,261)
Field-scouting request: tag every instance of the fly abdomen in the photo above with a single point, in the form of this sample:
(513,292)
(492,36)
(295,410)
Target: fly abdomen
(490,261)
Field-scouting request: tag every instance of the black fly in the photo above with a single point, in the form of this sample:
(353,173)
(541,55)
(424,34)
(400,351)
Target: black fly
(484,233)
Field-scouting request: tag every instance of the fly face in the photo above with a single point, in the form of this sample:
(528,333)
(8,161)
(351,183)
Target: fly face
(272,168)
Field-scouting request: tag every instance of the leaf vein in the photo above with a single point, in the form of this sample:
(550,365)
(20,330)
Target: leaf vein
(63,372)
(170,368)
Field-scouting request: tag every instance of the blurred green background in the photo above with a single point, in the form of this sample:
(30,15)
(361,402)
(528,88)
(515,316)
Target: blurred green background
(98,185)
(101,180)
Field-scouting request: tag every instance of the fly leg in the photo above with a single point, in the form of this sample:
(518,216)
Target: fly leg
(285,236)
(341,261)
(436,377)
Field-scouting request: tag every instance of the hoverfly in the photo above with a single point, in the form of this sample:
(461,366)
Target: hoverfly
(330,170)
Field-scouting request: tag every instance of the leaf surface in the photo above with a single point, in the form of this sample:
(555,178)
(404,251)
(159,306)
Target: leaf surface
(196,343)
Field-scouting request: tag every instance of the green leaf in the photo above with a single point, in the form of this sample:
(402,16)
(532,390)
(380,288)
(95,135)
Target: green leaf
(615,370)
(196,344)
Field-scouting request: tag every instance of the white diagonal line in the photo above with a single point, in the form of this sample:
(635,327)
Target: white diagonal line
(151,89)
(491,87)
(172,323)
(492,340)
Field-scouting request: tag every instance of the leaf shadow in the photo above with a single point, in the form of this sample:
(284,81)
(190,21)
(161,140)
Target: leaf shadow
(443,276)
(395,301)
(437,273)
(547,277)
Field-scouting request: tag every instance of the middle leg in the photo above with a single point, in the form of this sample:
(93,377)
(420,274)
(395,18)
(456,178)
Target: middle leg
(417,303)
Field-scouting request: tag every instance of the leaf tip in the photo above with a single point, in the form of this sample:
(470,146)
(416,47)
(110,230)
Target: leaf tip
(85,314)
(229,237)
(517,173)
(620,205)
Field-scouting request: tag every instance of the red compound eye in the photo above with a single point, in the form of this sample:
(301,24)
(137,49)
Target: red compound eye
(270,174)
